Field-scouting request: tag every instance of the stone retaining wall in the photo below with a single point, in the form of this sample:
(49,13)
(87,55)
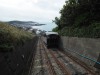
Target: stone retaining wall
(18,61)
(82,48)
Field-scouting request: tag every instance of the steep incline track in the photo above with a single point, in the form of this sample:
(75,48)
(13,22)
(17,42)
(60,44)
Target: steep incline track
(55,62)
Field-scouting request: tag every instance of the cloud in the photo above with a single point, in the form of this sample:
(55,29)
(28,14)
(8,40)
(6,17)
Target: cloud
(35,10)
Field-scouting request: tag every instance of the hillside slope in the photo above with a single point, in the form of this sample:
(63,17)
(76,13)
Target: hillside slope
(24,23)
(11,36)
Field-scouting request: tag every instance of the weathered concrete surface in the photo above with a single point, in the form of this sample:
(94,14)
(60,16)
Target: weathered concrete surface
(84,46)
(18,61)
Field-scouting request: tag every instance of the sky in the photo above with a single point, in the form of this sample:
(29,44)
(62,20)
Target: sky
(41,11)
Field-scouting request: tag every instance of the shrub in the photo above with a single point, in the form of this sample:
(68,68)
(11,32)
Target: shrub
(10,36)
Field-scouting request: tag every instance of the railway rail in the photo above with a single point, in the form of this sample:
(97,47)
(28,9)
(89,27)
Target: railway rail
(82,64)
(56,62)
(62,67)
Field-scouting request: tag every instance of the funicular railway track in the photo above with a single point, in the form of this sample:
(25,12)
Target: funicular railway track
(55,62)
(82,64)
(72,61)
(61,66)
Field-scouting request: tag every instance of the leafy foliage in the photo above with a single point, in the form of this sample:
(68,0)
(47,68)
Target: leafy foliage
(55,29)
(79,18)
(10,36)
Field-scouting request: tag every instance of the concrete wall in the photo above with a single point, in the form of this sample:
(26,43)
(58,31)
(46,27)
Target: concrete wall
(84,46)
(17,62)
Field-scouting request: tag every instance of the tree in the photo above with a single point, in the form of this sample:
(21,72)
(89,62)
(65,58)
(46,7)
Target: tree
(78,15)
(57,22)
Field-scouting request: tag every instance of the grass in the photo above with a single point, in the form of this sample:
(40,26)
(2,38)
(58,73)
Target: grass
(10,36)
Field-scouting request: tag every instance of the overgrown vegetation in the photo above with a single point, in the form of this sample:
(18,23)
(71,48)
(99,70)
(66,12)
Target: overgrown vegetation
(11,36)
(79,18)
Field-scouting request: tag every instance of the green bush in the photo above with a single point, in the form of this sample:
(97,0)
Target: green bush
(92,31)
(10,36)
(79,18)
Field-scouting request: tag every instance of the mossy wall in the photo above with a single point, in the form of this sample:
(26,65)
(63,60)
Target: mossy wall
(17,61)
